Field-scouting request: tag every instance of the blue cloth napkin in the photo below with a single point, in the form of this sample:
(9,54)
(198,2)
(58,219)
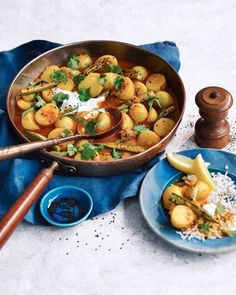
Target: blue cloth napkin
(16,174)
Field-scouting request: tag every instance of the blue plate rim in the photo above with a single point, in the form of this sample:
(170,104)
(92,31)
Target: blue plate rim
(170,242)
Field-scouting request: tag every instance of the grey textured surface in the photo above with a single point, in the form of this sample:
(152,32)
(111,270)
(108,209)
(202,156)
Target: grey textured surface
(124,256)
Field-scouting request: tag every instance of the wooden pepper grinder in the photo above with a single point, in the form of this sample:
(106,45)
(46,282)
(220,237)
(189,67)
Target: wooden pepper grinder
(212,129)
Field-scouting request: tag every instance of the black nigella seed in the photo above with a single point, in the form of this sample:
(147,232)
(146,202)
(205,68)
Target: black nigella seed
(67,253)
(59,238)
(67,239)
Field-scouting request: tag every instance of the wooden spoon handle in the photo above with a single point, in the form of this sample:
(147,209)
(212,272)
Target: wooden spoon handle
(16,213)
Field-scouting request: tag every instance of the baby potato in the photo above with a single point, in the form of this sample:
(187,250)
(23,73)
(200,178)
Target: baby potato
(66,122)
(68,85)
(69,71)
(84,61)
(182,217)
(139,73)
(203,191)
(104,122)
(24,105)
(46,74)
(80,143)
(47,95)
(28,121)
(77,157)
(173,189)
(47,115)
(126,123)
(148,138)
(92,81)
(163,126)
(152,115)
(56,133)
(106,60)
(109,80)
(139,88)
(156,82)
(126,91)
(138,112)
(165,98)
(28,97)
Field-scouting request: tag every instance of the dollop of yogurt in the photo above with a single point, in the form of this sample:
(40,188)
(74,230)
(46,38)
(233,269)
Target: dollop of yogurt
(210,208)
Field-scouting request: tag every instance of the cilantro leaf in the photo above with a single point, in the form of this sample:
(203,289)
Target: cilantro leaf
(59,97)
(102,79)
(59,77)
(84,94)
(89,151)
(71,149)
(153,99)
(90,127)
(65,133)
(39,102)
(114,69)
(220,209)
(73,63)
(116,154)
(118,82)
(77,79)
(204,228)
(140,128)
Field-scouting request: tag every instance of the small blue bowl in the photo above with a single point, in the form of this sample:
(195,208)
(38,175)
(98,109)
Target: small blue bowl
(66,205)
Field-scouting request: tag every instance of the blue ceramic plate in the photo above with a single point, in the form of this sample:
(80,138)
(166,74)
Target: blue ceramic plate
(162,175)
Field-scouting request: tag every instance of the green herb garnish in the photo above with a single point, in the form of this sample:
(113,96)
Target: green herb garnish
(115,154)
(204,228)
(102,79)
(140,128)
(71,149)
(39,103)
(153,99)
(77,79)
(90,127)
(89,151)
(65,133)
(84,94)
(114,69)
(59,77)
(59,97)
(73,63)
(118,81)
(220,209)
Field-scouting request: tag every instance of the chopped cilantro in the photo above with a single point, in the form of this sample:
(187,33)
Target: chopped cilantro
(59,77)
(89,151)
(65,133)
(153,99)
(39,102)
(77,79)
(72,149)
(118,82)
(84,94)
(140,128)
(102,79)
(90,127)
(116,154)
(73,63)
(204,228)
(220,208)
(114,69)
(77,119)
(59,97)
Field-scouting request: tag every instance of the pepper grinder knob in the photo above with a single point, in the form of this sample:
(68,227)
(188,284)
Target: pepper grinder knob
(212,129)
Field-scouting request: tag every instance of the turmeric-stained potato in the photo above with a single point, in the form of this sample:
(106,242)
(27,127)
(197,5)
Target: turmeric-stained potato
(46,74)
(127,122)
(47,115)
(66,122)
(139,88)
(165,98)
(69,71)
(47,95)
(80,143)
(126,91)
(139,73)
(77,157)
(106,60)
(28,121)
(104,122)
(29,97)
(92,81)
(138,112)
(152,115)
(203,191)
(163,126)
(156,82)
(57,133)
(173,189)
(68,85)
(148,138)
(84,61)
(106,157)
(182,217)
(24,105)
(109,80)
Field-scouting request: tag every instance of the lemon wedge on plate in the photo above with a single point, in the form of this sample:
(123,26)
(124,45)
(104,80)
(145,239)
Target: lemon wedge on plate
(195,166)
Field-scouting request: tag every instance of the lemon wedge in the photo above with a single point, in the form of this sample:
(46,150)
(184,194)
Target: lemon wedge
(201,171)
(179,162)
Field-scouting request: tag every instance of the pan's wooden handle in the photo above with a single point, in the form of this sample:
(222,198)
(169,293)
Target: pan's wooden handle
(22,205)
